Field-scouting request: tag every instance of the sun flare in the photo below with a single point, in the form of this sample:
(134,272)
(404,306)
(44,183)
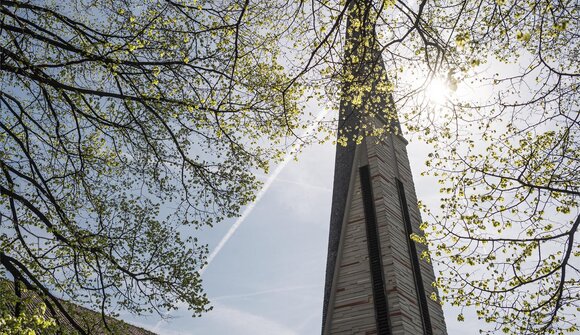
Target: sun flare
(437,91)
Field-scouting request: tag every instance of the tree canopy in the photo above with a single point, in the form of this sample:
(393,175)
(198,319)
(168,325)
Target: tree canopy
(125,124)
(508,163)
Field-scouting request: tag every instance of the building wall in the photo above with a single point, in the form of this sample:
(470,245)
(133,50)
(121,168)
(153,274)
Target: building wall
(351,308)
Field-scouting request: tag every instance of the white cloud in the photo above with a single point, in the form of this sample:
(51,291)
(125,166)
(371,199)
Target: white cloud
(226,320)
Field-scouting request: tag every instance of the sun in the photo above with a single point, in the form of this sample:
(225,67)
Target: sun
(437,91)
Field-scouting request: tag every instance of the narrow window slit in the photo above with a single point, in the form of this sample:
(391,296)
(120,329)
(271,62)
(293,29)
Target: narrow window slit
(419,287)
(375,259)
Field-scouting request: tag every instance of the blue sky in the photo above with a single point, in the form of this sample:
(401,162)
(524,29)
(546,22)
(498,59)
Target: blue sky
(269,276)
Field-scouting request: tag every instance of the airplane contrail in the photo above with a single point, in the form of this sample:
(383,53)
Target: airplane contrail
(262,292)
(260,194)
(251,206)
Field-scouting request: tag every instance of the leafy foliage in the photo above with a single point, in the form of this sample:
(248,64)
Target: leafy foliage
(26,324)
(124,125)
(509,164)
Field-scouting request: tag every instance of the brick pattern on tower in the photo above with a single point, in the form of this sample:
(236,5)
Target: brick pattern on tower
(350,305)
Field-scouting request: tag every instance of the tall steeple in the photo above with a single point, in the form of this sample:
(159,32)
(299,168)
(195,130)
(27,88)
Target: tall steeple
(376,281)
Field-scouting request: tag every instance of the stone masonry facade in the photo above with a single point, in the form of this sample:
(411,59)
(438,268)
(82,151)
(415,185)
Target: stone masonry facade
(351,307)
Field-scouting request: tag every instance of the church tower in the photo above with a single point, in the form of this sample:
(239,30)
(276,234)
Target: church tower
(376,281)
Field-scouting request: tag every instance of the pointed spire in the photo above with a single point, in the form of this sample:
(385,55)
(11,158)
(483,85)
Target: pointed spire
(365,98)
(366,92)
(375,280)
